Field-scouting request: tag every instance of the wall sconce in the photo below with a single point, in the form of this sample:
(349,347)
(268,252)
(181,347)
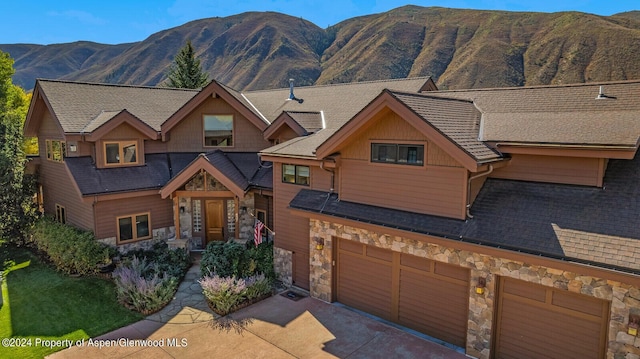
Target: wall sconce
(482,284)
(634,323)
(319,243)
(243,210)
(73,148)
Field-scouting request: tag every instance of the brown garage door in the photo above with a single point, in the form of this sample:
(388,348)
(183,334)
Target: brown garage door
(424,295)
(534,321)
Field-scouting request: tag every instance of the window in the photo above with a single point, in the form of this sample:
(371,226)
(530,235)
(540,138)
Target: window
(56,150)
(121,153)
(61,215)
(134,227)
(397,153)
(295,174)
(197,215)
(218,130)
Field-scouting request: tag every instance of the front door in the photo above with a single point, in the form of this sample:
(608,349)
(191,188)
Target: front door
(215,220)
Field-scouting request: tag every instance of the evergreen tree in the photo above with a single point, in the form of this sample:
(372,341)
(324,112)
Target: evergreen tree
(17,210)
(186,71)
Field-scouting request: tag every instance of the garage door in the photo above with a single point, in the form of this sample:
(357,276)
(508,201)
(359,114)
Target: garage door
(534,321)
(424,295)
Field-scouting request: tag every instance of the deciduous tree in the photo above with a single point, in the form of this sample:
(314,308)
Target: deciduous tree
(186,71)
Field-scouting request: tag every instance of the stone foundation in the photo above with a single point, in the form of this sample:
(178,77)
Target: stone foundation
(159,235)
(624,298)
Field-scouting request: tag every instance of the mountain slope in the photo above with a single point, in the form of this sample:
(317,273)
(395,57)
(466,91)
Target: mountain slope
(458,48)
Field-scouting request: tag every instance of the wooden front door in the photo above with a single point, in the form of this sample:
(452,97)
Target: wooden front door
(215,220)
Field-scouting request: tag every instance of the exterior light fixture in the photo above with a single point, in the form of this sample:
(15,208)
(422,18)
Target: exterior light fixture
(634,323)
(482,284)
(319,243)
(73,148)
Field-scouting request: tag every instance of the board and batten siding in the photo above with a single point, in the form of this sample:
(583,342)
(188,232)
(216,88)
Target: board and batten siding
(567,170)
(187,136)
(161,211)
(57,183)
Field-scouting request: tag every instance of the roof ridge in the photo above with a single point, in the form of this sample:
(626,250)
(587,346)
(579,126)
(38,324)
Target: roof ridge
(343,84)
(116,85)
(530,87)
(428,95)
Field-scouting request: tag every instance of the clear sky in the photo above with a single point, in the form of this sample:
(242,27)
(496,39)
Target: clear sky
(121,21)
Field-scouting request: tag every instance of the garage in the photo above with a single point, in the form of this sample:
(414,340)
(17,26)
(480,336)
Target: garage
(428,296)
(534,321)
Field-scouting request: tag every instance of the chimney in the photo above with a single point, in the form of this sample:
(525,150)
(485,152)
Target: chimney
(291,95)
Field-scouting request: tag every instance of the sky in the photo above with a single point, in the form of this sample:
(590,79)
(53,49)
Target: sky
(122,21)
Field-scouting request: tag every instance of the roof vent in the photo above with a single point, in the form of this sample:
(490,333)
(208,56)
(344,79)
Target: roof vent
(291,95)
(601,94)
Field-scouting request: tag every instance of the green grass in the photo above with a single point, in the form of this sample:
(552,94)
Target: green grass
(40,304)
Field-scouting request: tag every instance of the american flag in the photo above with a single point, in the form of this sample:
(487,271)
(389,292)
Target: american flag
(257,235)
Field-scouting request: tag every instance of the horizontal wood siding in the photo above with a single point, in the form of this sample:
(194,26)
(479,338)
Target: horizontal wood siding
(57,183)
(265,203)
(155,146)
(568,170)
(161,211)
(187,136)
(430,190)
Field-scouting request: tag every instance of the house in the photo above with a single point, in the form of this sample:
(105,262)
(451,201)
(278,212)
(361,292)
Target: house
(500,221)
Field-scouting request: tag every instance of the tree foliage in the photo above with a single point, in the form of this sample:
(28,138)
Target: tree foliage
(17,210)
(186,71)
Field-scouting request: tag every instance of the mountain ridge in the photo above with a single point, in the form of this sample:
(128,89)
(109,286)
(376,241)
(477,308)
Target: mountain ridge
(459,48)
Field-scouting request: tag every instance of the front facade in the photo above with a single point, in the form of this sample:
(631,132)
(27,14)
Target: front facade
(491,220)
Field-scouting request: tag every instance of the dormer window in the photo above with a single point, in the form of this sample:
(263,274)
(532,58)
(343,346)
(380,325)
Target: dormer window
(121,153)
(218,130)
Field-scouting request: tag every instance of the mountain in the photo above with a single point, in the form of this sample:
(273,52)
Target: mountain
(458,48)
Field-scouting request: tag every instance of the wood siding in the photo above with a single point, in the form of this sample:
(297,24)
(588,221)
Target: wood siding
(265,203)
(161,212)
(155,146)
(570,325)
(187,136)
(425,295)
(58,185)
(567,170)
(430,190)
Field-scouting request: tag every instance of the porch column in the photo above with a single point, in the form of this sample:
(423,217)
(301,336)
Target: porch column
(176,216)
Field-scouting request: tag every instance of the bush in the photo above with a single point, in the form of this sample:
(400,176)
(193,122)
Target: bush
(142,286)
(226,294)
(231,259)
(72,251)
(174,262)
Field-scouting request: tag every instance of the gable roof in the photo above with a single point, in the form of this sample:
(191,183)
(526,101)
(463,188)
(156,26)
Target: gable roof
(452,124)
(302,123)
(80,107)
(584,224)
(559,114)
(107,121)
(338,102)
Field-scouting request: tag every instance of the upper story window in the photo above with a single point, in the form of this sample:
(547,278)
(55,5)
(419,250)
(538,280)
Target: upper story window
(120,153)
(56,150)
(405,154)
(295,174)
(218,130)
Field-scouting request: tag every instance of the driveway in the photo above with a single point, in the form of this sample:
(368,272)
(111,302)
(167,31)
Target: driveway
(277,327)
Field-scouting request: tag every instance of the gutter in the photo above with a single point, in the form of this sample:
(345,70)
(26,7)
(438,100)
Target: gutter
(469,188)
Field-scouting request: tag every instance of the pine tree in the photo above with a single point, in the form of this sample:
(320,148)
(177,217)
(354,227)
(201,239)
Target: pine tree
(186,71)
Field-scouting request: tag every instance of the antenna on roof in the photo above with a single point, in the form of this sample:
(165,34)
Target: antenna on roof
(601,94)
(291,95)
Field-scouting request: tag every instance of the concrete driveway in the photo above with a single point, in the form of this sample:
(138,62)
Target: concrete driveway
(277,327)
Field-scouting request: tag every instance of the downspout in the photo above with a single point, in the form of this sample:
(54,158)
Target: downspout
(469,188)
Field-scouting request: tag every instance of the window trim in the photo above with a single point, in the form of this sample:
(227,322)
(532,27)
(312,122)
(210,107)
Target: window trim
(61,214)
(296,175)
(134,231)
(49,153)
(233,129)
(121,145)
(397,146)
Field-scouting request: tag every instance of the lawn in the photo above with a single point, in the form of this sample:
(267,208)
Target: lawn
(41,304)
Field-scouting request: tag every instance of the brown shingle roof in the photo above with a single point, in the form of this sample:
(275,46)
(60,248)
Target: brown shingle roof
(458,120)
(310,121)
(82,107)
(566,114)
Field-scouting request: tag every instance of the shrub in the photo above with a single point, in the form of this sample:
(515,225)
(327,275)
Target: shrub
(225,294)
(141,286)
(174,262)
(70,250)
(234,259)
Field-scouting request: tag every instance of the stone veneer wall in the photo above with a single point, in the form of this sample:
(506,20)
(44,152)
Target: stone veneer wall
(283,265)
(159,234)
(624,298)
